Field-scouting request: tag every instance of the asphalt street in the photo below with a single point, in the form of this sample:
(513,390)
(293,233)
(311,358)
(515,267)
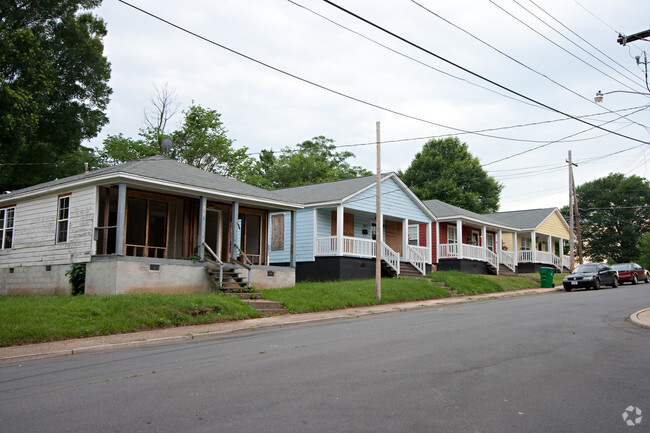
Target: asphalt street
(559,362)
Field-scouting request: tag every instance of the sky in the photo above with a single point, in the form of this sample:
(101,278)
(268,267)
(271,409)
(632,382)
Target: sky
(513,79)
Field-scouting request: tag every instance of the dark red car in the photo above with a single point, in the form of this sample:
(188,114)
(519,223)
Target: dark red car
(631,272)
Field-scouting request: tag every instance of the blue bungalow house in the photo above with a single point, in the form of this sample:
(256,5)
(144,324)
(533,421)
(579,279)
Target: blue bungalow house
(335,236)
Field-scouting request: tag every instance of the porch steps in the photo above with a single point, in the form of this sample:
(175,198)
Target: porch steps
(233,278)
(409,271)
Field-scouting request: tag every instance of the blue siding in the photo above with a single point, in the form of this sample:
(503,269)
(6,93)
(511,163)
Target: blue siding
(325,221)
(305,235)
(395,202)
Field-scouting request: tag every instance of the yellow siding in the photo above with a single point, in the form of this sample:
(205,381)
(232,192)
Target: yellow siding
(507,240)
(553,226)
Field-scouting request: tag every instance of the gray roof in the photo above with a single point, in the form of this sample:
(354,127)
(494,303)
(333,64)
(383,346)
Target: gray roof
(443,210)
(160,168)
(524,219)
(334,191)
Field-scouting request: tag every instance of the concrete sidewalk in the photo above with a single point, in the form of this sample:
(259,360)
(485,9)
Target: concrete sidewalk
(17,354)
(641,318)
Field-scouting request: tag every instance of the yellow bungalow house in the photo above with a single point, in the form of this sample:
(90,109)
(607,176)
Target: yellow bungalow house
(538,240)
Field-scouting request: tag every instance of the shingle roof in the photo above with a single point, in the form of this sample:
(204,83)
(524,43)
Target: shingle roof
(443,210)
(524,219)
(334,191)
(167,170)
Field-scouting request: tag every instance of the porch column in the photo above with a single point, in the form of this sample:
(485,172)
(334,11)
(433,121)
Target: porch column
(437,246)
(233,229)
(499,244)
(405,238)
(484,240)
(459,238)
(293,239)
(428,243)
(549,244)
(560,251)
(121,218)
(202,211)
(533,241)
(514,247)
(339,230)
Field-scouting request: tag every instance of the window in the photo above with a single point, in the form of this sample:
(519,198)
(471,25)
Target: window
(277,232)
(451,235)
(414,235)
(490,241)
(62,219)
(525,244)
(6,227)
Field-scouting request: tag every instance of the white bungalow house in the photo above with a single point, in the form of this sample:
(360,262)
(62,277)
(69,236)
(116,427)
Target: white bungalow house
(336,230)
(519,241)
(143,226)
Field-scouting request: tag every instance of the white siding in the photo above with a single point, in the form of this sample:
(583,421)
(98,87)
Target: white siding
(35,231)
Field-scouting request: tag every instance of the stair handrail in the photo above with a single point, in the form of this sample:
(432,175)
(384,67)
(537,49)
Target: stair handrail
(417,259)
(247,266)
(217,260)
(390,256)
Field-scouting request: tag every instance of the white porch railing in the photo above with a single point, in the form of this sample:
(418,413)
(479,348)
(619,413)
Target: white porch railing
(389,256)
(566,262)
(448,251)
(417,256)
(492,259)
(474,252)
(508,259)
(525,256)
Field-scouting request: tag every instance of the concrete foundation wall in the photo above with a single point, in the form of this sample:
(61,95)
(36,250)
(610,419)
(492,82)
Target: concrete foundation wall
(273,277)
(35,280)
(114,276)
(466,266)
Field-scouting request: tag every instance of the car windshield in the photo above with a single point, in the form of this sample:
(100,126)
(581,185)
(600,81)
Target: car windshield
(622,267)
(586,269)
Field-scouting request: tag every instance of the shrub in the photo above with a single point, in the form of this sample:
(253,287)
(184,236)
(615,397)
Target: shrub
(77,277)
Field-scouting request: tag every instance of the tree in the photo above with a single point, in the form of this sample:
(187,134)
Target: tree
(447,171)
(201,142)
(644,251)
(614,214)
(312,161)
(53,90)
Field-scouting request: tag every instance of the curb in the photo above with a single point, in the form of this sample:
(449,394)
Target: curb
(353,313)
(634,318)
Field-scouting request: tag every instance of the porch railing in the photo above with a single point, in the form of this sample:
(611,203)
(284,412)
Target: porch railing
(390,256)
(417,256)
(508,259)
(448,251)
(474,252)
(492,259)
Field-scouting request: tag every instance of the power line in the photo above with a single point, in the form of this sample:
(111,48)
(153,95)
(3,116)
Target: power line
(505,55)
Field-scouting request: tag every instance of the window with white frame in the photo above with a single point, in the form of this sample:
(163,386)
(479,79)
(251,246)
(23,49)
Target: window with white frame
(7,227)
(525,244)
(451,235)
(414,235)
(62,219)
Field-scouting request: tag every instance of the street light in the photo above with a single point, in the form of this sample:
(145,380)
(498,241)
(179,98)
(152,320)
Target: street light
(599,95)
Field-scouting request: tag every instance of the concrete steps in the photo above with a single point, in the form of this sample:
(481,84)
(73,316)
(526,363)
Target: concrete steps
(261,305)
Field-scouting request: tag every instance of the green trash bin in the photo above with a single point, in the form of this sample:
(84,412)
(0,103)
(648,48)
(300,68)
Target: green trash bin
(546,277)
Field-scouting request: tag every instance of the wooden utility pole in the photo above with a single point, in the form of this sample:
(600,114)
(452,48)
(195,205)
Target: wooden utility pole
(571,230)
(378,221)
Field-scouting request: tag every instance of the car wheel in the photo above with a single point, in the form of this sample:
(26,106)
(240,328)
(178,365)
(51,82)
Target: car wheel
(647,279)
(615,283)
(597,284)
(634,280)
(567,288)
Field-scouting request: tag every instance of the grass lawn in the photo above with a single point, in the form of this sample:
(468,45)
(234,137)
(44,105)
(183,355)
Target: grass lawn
(468,284)
(306,297)
(557,278)
(34,319)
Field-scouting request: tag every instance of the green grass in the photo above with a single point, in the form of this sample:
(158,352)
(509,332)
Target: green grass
(557,278)
(49,318)
(306,297)
(468,284)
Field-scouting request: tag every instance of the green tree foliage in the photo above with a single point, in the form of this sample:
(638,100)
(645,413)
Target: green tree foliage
(53,87)
(201,141)
(446,170)
(312,161)
(614,214)
(644,251)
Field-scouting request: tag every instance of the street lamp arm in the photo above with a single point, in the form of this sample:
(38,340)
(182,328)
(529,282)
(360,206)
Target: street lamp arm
(599,94)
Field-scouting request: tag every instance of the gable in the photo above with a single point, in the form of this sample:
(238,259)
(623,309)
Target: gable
(396,201)
(554,225)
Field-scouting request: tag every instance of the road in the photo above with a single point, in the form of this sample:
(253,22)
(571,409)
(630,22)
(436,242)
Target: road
(560,362)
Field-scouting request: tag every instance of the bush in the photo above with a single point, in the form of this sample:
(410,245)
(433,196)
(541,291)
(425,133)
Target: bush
(77,277)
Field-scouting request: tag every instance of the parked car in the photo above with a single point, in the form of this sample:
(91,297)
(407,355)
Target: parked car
(631,272)
(591,275)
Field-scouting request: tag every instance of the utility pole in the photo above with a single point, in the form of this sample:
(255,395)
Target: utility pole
(622,39)
(571,230)
(378,222)
(578,231)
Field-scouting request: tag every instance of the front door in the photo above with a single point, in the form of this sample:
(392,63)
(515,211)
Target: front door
(213,230)
(393,235)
